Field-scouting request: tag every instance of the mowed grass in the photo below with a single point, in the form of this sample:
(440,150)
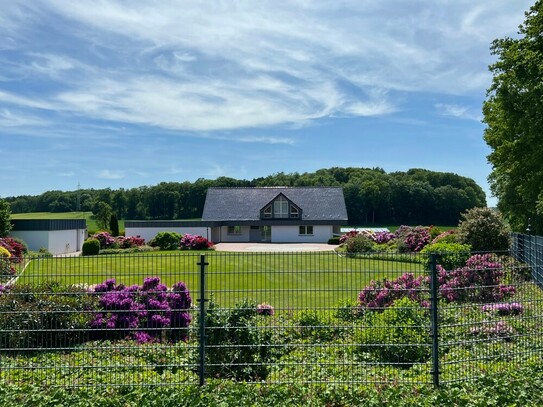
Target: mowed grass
(285,280)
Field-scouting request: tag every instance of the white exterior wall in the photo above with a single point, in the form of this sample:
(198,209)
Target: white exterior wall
(55,241)
(290,234)
(34,239)
(149,233)
(242,237)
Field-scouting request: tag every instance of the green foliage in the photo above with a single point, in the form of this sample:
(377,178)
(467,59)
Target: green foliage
(238,347)
(333,240)
(359,244)
(5,216)
(434,232)
(512,113)
(166,240)
(450,255)
(91,247)
(484,230)
(114,225)
(315,326)
(399,334)
(48,315)
(103,215)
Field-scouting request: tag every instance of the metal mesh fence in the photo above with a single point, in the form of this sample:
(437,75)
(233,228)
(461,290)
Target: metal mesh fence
(152,319)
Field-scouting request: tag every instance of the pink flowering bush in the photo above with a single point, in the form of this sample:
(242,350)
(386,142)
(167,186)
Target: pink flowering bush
(513,308)
(265,309)
(346,236)
(381,294)
(416,238)
(106,240)
(499,329)
(479,281)
(142,311)
(15,247)
(129,241)
(194,242)
(383,237)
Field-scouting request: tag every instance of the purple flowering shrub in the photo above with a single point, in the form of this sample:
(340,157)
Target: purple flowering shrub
(346,236)
(479,281)
(383,237)
(105,239)
(143,311)
(504,308)
(416,238)
(381,294)
(194,242)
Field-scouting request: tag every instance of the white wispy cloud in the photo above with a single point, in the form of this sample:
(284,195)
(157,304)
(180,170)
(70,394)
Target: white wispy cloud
(111,174)
(462,112)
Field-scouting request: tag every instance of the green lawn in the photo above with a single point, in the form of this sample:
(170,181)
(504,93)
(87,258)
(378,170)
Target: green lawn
(285,280)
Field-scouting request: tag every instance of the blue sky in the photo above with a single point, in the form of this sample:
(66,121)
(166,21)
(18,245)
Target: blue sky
(130,93)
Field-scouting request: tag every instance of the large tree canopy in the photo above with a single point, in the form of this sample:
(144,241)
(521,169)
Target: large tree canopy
(513,113)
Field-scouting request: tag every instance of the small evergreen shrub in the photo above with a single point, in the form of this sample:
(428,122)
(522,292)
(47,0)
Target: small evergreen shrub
(359,244)
(333,241)
(166,240)
(449,236)
(434,232)
(397,335)
(449,255)
(484,229)
(315,325)
(91,247)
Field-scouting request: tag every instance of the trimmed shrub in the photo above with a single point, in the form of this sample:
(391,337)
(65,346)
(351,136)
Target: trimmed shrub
(484,229)
(450,255)
(397,335)
(359,244)
(91,247)
(166,240)
(333,241)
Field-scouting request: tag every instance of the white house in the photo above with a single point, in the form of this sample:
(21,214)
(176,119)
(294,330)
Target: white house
(58,236)
(267,214)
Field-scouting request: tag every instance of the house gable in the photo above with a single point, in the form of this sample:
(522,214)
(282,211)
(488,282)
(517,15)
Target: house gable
(281,208)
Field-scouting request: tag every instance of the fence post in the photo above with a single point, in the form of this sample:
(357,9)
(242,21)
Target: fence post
(434,318)
(202,320)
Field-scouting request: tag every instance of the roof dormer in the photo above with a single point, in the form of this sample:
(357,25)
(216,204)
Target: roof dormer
(281,208)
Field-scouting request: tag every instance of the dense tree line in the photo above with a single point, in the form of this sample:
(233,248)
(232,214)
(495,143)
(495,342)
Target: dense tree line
(372,196)
(513,113)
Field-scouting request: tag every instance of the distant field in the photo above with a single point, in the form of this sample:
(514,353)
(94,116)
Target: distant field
(88,216)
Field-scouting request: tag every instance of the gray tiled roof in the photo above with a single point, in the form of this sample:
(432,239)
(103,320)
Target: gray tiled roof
(233,204)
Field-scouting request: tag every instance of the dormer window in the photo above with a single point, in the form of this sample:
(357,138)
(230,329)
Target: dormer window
(281,208)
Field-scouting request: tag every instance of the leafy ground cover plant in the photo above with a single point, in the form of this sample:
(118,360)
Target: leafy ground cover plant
(398,335)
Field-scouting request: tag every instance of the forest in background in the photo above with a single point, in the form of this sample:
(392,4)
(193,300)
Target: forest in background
(372,196)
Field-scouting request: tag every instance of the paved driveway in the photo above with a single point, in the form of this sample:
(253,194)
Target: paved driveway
(274,247)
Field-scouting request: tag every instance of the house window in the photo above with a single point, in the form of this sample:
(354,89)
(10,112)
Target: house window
(268,211)
(294,213)
(306,230)
(234,230)
(280,208)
